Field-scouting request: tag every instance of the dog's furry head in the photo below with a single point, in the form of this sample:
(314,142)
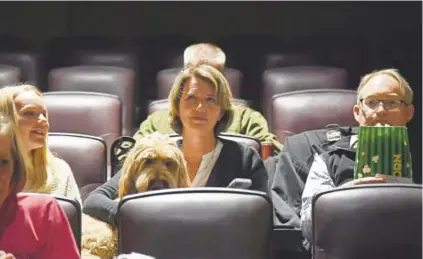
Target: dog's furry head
(155,162)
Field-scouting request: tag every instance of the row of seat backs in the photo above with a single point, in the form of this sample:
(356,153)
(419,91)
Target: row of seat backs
(12,69)
(250,54)
(188,223)
(345,223)
(179,211)
(31,65)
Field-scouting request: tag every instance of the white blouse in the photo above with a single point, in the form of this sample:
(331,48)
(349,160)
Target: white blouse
(61,182)
(207,164)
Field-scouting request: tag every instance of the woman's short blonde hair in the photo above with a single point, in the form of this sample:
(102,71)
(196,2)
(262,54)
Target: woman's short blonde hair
(36,179)
(204,53)
(223,95)
(405,88)
(20,159)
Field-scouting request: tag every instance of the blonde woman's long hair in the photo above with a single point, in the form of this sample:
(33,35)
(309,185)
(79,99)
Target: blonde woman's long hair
(20,158)
(41,159)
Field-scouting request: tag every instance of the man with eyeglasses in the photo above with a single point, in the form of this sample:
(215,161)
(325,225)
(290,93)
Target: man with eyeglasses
(383,98)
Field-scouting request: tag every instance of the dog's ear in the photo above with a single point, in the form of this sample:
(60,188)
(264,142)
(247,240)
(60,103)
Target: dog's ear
(126,179)
(183,178)
(132,165)
(125,184)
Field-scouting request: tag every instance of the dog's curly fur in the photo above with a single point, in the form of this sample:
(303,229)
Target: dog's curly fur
(155,162)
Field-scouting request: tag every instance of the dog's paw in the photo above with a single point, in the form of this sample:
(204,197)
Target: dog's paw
(98,238)
(86,255)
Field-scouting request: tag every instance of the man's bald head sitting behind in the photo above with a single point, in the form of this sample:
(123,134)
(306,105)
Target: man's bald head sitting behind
(204,53)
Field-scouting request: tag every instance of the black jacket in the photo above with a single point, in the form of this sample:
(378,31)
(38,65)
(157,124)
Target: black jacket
(340,159)
(289,170)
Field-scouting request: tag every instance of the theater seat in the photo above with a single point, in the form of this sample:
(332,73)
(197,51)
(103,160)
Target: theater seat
(86,155)
(9,75)
(89,113)
(110,80)
(165,79)
(158,105)
(73,212)
(378,221)
(298,111)
(126,59)
(282,80)
(29,64)
(192,223)
(278,59)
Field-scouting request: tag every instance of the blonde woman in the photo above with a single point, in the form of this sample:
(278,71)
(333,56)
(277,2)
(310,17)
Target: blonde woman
(245,120)
(200,108)
(46,173)
(31,226)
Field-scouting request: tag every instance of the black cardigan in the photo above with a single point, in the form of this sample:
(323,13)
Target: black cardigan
(236,160)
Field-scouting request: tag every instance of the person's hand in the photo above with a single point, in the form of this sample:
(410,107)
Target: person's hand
(378,178)
(4,255)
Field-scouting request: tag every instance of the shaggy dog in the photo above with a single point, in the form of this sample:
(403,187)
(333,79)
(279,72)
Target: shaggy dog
(155,162)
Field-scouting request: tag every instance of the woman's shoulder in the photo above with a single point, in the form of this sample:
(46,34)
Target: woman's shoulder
(60,171)
(35,201)
(61,165)
(237,149)
(236,145)
(39,209)
(231,144)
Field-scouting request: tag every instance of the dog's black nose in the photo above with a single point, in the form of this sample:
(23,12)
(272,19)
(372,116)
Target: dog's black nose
(158,185)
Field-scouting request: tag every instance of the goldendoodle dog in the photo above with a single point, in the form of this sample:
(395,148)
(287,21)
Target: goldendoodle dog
(154,162)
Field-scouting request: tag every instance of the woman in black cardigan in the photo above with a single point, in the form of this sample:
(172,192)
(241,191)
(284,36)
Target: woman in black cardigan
(200,108)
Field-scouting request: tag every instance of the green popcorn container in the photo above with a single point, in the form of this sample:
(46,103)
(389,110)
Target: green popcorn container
(383,150)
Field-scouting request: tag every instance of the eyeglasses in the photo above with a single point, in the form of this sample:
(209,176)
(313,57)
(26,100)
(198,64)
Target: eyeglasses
(372,103)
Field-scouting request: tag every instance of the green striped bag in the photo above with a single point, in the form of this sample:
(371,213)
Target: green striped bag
(383,150)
